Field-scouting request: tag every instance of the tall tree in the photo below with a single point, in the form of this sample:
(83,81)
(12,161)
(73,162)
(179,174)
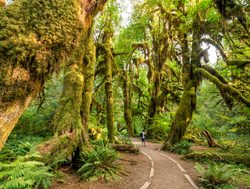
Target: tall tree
(36,39)
(204,22)
(34,49)
(70,132)
(89,62)
(108,21)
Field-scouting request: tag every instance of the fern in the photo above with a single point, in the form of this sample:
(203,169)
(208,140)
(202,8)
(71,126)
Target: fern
(25,174)
(18,147)
(98,163)
(217,174)
(182,147)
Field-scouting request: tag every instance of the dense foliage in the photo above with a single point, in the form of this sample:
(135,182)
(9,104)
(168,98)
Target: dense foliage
(177,69)
(98,163)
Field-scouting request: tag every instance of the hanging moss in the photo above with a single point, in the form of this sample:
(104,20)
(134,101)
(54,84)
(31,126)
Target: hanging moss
(38,34)
(224,87)
(35,37)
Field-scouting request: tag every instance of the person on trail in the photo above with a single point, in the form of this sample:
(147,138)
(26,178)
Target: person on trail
(142,135)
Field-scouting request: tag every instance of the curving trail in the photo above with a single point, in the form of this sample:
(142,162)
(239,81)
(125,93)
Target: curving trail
(166,172)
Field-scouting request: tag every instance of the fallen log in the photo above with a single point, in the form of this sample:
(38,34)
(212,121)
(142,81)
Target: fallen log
(125,148)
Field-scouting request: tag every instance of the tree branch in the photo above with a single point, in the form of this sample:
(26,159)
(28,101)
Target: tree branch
(224,87)
(216,45)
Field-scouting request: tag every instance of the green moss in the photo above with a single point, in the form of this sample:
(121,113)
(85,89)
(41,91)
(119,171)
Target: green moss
(35,36)
(67,117)
(183,115)
(220,157)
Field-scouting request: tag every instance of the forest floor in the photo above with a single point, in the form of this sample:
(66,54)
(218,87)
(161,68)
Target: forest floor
(162,170)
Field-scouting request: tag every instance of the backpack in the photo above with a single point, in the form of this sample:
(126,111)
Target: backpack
(141,134)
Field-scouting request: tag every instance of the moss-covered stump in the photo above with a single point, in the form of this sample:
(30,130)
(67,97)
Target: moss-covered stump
(226,157)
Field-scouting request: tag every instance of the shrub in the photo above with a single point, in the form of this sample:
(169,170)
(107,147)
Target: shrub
(160,127)
(216,175)
(182,147)
(98,163)
(25,174)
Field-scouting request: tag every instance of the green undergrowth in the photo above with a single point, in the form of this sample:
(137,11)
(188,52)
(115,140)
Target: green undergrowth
(182,147)
(160,127)
(99,163)
(26,172)
(219,175)
(18,145)
(225,157)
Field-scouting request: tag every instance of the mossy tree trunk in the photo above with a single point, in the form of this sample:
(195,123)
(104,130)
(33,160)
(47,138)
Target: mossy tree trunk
(127,95)
(10,114)
(89,75)
(67,120)
(191,81)
(159,56)
(109,59)
(69,131)
(31,54)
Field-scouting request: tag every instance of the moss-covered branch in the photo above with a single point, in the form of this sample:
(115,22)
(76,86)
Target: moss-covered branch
(216,45)
(224,87)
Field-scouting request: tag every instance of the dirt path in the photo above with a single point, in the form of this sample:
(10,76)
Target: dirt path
(168,170)
(162,167)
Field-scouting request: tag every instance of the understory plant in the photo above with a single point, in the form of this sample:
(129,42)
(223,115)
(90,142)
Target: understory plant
(182,147)
(98,163)
(217,175)
(25,173)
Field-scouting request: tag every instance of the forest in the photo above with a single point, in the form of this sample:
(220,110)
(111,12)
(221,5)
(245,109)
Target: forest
(83,83)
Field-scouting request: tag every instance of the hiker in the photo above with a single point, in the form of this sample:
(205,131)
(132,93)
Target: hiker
(142,135)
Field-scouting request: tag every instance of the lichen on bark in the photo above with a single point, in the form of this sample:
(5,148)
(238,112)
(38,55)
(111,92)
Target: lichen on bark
(108,84)
(89,62)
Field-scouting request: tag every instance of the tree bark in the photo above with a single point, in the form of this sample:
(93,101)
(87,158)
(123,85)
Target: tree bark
(69,131)
(17,90)
(191,81)
(40,57)
(89,75)
(183,115)
(210,140)
(127,103)
(10,116)
(108,85)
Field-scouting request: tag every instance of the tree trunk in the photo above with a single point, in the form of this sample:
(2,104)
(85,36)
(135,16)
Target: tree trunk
(191,81)
(210,140)
(69,130)
(127,103)
(17,89)
(10,116)
(40,56)
(89,75)
(183,115)
(159,55)
(108,86)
